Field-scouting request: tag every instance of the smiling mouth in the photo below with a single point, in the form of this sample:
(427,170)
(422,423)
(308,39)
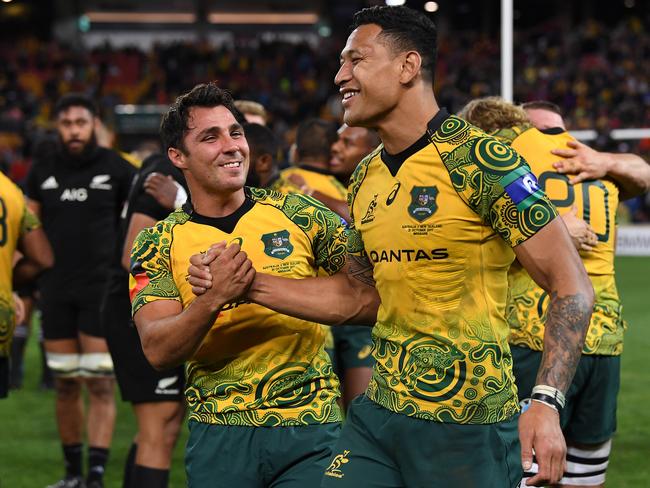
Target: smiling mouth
(234,164)
(349,95)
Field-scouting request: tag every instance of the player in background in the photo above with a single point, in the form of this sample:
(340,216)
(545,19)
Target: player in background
(438,214)
(253,112)
(264,151)
(260,387)
(20,231)
(79,191)
(588,418)
(311,174)
(630,172)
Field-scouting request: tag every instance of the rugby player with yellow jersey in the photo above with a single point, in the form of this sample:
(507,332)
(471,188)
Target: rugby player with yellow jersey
(588,418)
(439,213)
(260,387)
(20,230)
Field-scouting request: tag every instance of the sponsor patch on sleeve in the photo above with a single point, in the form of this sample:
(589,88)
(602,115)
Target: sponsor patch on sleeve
(522,187)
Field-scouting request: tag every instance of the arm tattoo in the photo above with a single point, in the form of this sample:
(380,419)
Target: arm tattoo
(567,322)
(361,269)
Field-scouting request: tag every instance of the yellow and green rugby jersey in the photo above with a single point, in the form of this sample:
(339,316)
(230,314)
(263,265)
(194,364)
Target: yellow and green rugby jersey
(438,222)
(255,367)
(315,178)
(15,221)
(596,202)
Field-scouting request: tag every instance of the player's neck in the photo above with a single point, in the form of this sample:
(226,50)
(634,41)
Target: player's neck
(217,204)
(407,122)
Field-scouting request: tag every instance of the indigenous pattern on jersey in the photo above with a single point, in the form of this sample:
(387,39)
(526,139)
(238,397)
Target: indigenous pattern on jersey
(15,221)
(255,367)
(438,222)
(596,202)
(321,181)
(315,178)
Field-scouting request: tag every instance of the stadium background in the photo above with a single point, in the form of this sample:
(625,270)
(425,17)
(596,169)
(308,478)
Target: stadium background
(134,57)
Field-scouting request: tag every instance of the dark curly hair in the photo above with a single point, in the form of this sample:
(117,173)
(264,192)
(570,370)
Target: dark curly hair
(405,29)
(174,123)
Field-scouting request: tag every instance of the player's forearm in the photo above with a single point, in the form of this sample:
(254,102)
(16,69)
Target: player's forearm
(566,326)
(172,340)
(326,300)
(631,172)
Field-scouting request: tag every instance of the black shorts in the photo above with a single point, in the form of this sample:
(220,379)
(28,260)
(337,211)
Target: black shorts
(139,382)
(67,312)
(4,376)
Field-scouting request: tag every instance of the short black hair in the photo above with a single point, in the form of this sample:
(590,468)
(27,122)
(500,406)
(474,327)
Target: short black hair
(406,30)
(261,140)
(314,139)
(74,100)
(173,125)
(542,105)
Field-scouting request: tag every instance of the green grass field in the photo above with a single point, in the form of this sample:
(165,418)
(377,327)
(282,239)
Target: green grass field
(30,454)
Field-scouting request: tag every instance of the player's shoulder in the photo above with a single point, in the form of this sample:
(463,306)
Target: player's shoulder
(283,201)
(114,161)
(508,135)
(361,171)
(9,188)
(302,210)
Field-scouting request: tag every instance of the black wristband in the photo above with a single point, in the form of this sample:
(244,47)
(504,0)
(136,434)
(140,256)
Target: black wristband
(547,399)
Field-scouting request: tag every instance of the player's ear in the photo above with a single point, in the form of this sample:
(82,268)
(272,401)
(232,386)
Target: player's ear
(177,157)
(410,66)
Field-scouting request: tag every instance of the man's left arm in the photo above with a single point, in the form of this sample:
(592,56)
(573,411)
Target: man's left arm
(630,172)
(552,261)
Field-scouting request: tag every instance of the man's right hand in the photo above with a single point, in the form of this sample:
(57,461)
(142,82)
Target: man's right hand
(582,234)
(230,268)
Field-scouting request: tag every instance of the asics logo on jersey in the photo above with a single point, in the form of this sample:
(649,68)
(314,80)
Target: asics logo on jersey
(100,182)
(74,195)
(393,194)
(49,184)
(162,388)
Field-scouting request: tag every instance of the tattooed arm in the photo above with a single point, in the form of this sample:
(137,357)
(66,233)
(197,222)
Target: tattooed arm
(349,296)
(552,261)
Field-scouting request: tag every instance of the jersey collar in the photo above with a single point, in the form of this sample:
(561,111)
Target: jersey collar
(553,131)
(394,161)
(225,224)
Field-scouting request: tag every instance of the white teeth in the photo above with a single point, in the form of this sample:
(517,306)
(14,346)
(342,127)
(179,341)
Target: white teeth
(232,165)
(349,95)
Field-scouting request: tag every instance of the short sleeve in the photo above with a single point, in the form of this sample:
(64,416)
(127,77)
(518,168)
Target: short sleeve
(325,228)
(29,221)
(151,275)
(355,242)
(497,183)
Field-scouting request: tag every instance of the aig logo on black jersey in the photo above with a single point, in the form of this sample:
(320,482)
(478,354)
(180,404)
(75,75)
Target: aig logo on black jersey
(74,195)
